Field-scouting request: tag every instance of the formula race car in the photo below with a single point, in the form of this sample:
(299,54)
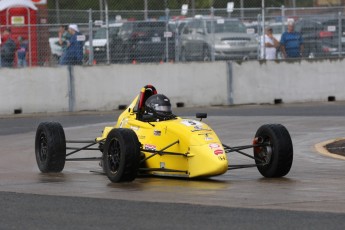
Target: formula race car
(149,139)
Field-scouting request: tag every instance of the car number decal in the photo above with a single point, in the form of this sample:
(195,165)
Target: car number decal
(191,123)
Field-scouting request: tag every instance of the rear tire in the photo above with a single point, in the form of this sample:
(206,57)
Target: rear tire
(50,147)
(278,154)
(121,155)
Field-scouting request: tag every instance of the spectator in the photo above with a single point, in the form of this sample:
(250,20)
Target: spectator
(64,37)
(269,45)
(8,49)
(291,42)
(74,51)
(22,52)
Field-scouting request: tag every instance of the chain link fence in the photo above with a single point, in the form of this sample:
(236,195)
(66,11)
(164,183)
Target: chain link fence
(166,31)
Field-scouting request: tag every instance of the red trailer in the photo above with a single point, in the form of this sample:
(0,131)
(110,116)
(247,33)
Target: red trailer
(21,17)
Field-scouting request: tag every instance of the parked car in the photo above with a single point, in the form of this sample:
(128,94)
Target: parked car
(333,25)
(317,40)
(99,42)
(143,41)
(227,37)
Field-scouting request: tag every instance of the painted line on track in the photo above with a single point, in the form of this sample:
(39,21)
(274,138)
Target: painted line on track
(320,148)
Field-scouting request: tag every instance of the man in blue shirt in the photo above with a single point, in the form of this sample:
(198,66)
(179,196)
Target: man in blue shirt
(74,50)
(291,42)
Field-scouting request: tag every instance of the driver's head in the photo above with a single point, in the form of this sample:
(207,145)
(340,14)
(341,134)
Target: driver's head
(159,105)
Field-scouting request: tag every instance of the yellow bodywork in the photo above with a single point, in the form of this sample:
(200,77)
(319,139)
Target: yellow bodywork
(199,151)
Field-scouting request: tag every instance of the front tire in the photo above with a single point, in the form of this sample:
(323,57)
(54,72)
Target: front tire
(50,147)
(278,152)
(121,155)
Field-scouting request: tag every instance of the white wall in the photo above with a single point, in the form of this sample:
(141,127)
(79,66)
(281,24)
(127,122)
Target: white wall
(106,87)
(255,82)
(33,90)
(196,84)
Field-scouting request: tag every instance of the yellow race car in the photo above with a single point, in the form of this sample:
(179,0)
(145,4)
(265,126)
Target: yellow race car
(149,139)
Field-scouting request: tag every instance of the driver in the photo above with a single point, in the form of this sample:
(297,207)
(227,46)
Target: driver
(158,108)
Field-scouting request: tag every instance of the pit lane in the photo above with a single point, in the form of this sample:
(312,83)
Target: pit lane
(315,182)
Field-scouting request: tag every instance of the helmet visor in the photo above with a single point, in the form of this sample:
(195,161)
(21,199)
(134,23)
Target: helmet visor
(163,108)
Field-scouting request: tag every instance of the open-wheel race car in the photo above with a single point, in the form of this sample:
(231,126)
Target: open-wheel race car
(149,139)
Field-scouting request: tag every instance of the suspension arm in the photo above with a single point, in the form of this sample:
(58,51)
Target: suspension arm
(86,147)
(237,149)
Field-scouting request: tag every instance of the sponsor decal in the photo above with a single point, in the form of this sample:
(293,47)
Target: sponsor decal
(214,146)
(218,152)
(208,138)
(162,165)
(157,132)
(149,147)
(222,158)
(198,127)
(123,122)
(135,128)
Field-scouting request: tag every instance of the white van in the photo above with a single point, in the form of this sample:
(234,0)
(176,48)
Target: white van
(99,42)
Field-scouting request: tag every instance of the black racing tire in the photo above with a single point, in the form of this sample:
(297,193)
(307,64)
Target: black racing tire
(121,155)
(50,147)
(278,154)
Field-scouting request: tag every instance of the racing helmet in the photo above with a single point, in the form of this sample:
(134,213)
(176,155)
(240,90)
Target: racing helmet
(159,106)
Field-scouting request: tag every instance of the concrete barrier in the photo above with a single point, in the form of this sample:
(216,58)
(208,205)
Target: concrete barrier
(295,81)
(106,87)
(35,90)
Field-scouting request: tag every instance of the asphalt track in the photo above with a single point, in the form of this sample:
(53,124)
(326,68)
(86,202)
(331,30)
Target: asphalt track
(311,196)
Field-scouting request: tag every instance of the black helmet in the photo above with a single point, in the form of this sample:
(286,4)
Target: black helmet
(159,106)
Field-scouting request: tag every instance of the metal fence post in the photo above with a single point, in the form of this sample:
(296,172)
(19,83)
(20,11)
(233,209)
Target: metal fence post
(107,30)
(340,30)
(71,89)
(166,37)
(260,51)
(213,35)
(283,17)
(90,38)
(263,26)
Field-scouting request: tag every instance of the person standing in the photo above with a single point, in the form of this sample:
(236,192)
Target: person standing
(291,42)
(74,50)
(269,45)
(64,37)
(22,52)
(8,49)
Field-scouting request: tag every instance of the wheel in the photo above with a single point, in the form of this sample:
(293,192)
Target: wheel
(206,54)
(277,155)
(121,155)
(50,147)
